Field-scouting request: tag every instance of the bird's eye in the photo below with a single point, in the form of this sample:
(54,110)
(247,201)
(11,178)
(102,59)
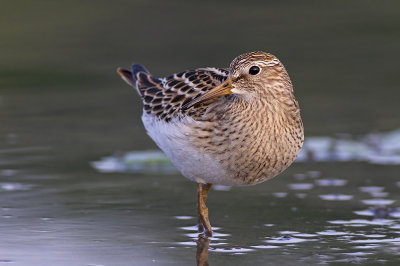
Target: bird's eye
(254,70)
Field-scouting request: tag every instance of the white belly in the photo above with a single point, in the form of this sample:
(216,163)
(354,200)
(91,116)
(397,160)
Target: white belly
(174,139)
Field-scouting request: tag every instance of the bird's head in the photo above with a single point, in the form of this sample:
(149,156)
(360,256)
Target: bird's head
(258,74)
(251,75)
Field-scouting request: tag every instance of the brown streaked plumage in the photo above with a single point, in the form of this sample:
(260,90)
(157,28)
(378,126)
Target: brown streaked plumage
(236,126)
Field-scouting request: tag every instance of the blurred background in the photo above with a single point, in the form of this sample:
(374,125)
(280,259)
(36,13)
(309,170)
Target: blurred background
(62,106)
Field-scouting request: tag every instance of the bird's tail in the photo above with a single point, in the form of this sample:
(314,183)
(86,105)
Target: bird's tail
(130,77)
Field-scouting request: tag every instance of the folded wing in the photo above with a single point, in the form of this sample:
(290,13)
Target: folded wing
(164,97)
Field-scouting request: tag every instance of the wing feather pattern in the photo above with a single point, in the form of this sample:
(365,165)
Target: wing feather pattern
(164,97)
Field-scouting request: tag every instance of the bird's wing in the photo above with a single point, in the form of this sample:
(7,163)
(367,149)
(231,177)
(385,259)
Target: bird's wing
(164,97)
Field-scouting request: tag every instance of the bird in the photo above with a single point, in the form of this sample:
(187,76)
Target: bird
(234,126)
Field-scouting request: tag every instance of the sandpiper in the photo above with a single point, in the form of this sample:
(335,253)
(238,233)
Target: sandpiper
(237,126)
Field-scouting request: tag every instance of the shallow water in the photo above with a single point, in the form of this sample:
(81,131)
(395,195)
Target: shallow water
(62,107)
(336,212)
(371,234)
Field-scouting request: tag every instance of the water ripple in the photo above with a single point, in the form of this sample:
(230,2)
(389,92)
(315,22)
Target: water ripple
(15,186)
(378,202)
(339,197)
(333,182)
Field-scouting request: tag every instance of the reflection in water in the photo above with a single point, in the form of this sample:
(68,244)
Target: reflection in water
(153,161)
(351,233)
(280,194)
(286,239)
(184,217)
(336,197)
(378,201)
(202,250)
(301,186)
(345,220)
(363,222)
(342,240)
(290,240)
(332,233)
(377,148)
(339,239)
(379,212)
(331,182)
(15,186)
(371,189)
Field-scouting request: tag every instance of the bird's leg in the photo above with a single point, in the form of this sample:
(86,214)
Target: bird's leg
(206,188)
(202,210)
(204,192)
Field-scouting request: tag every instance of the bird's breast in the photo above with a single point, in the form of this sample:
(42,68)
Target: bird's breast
(250,146)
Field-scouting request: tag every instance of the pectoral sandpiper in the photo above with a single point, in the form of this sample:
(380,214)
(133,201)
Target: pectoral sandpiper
(237,126)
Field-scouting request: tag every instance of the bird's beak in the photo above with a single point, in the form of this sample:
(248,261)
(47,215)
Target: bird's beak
(216,92)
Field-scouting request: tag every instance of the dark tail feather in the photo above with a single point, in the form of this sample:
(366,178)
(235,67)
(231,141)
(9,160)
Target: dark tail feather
(130,77)
(126,75)
(136,68)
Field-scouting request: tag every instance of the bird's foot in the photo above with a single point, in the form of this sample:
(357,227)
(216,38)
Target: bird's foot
(204,222)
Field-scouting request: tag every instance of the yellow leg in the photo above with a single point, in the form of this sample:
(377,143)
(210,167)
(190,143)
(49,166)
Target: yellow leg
(202,210)
(206,188)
